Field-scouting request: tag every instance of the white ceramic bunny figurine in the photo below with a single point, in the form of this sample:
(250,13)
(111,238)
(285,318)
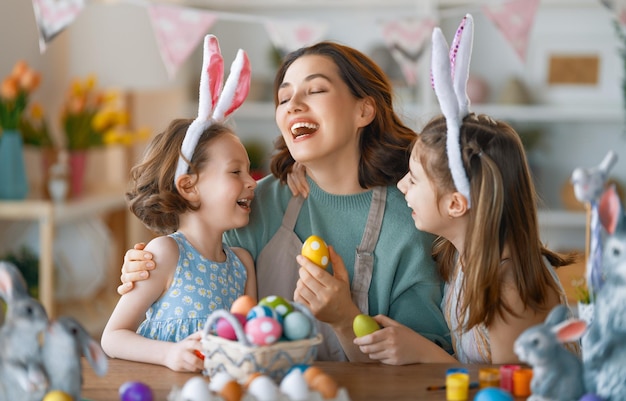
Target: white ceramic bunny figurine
(557,372)
(65,341)
(21,374)
(604,345)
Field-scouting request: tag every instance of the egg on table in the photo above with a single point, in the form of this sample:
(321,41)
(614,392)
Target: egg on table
(316,250)
(135,391)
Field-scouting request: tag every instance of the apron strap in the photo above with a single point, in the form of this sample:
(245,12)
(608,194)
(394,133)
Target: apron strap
(364,260)
(293,210)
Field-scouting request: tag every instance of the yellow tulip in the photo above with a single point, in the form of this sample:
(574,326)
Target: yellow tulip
(36,111)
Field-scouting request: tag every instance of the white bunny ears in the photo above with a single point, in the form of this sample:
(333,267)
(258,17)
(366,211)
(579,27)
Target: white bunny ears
(215,104)
(450,71)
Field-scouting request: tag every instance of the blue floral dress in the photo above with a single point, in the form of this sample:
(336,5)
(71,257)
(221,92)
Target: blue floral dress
(199,287)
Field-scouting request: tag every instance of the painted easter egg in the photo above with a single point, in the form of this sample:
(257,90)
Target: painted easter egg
(316,250)
(231,391)
(263,388)
(196,388)
(263,330)
(363,325)
(57,395)
(297,326)
(279,304)
(493,394)
(264,311)
(242,305)
(224,329)
(294,386)
(135,391)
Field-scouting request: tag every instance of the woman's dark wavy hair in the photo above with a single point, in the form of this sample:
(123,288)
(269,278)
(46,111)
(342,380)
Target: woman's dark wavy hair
(384,143)
(152,195)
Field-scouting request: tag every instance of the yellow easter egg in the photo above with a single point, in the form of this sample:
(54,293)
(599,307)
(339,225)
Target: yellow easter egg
(363,325)
(57,395)
(316,250)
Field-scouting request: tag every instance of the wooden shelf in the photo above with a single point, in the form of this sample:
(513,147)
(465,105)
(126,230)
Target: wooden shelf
(49,215)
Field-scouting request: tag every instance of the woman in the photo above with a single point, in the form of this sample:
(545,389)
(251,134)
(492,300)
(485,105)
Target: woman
(335,112)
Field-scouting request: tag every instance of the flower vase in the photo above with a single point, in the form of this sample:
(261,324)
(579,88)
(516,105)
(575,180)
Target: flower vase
(77,164)
(13,181)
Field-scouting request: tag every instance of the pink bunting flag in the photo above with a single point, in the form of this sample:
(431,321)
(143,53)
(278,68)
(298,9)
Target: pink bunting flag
(406,40)
(514,19)
(53,16)
(288,36)
(618,8)
(178,30)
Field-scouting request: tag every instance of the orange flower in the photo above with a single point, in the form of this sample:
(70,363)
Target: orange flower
(29,80)
(9,88)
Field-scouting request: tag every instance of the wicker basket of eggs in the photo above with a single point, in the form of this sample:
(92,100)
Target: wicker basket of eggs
(268,338)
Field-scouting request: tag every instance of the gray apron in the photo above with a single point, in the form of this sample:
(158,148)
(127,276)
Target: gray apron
(277,269)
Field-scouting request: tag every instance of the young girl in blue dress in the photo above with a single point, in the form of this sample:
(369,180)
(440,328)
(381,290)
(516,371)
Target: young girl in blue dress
(192,185)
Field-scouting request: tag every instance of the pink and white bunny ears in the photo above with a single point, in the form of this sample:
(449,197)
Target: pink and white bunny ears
(215,104)
(450,71)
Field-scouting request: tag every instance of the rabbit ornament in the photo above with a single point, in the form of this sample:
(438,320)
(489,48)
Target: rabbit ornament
(557,372)
(22,377)
(604,344)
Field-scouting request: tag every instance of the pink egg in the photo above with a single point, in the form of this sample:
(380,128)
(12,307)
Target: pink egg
(263,330)
(225,330)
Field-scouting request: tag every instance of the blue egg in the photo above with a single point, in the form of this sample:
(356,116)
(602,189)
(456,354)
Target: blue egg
(135,391)
(264,311)
(301,367)
(296,326)
(590,397)
(493,394)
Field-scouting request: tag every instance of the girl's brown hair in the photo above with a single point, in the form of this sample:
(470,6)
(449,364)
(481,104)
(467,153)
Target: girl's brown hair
(152,194)
(384,143)
(503,213)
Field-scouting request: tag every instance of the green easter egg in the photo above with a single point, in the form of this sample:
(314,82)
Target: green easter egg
(279,304)
(364,325)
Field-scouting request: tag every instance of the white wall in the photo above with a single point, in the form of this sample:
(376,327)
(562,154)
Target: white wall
(115,40)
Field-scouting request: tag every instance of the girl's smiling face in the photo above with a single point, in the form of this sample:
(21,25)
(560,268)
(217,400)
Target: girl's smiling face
(421,196)
(225,185)
(318,116)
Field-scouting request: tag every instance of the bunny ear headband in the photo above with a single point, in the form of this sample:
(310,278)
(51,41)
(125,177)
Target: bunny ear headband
(450,71)
(215,104)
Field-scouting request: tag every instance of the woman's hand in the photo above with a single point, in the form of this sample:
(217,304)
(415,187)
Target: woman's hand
(183,356)
(327,296)
(296,180)
(136,265)
(396,344)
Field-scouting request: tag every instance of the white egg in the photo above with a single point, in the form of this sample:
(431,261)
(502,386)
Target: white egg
(294,386)
(218,380)
(196,389)
(263,388)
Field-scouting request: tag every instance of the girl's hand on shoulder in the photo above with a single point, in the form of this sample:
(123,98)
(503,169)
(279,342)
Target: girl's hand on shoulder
(137,264)
(396,344)
(183,355)
(327,296)
(296,180)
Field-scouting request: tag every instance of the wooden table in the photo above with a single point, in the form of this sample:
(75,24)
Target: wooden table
(363,381)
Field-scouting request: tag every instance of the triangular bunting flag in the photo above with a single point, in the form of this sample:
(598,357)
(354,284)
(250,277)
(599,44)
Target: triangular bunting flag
(406,40)
(178,30)
(618,7)
(514,19)
(52,16)
(288,36)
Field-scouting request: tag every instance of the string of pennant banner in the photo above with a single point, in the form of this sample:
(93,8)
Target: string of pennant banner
(179,29)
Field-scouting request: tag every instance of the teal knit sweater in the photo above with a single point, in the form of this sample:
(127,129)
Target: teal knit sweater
(405,284)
